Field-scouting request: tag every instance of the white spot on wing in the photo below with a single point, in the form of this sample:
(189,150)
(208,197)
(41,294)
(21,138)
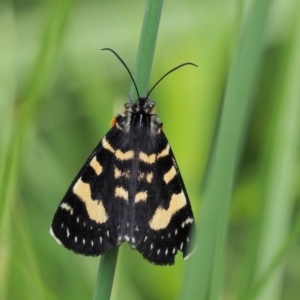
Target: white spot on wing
(186,222)
(181,246)
(67,207)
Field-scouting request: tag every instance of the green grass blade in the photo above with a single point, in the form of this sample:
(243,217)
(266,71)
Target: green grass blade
(36,86)
(107,265)
(281,156)
(146,47)
(206,265)
(30,97)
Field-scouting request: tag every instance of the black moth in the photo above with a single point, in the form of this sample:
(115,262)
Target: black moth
(129,190)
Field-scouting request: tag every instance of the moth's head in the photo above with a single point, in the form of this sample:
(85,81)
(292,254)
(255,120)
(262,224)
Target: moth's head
(143,105)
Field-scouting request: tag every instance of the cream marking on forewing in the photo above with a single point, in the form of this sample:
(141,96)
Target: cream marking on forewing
(118,153)
(149,177)
(56,239)
(164,152)
(145,176)
(124,155)
(119,173)
(162,217)
(121,192)
(96,166)
(94,207)
(149,159)
(67,207)
(170,175)
(141,196)
(106,145)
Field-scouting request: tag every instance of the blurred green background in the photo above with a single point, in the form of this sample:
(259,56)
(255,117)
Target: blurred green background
(58,93)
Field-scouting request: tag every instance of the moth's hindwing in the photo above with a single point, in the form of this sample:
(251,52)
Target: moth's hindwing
(130,189)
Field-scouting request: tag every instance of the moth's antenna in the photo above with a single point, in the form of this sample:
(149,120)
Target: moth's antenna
(184,64)
(122,61)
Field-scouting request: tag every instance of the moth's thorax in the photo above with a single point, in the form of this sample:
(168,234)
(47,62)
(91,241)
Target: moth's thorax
(139,118)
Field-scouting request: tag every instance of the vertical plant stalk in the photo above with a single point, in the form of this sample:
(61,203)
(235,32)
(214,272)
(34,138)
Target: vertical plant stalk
(205,273)
(279,187)
(107,265)
(30,98)
(147,45)
(36,86)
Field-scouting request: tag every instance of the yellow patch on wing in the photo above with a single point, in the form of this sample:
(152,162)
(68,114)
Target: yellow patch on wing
(149,159)
(121,193)
(118,153)
(118,173)
(164,152)
(106,145)
(149,177)
(94,207)
(170,175)
(124,155)
(96,165)
(145,176)
(141,196)
(162,217)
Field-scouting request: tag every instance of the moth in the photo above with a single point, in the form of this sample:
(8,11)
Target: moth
(129,190)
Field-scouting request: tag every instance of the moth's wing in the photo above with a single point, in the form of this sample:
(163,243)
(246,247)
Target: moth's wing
(90,217)
(162,218)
